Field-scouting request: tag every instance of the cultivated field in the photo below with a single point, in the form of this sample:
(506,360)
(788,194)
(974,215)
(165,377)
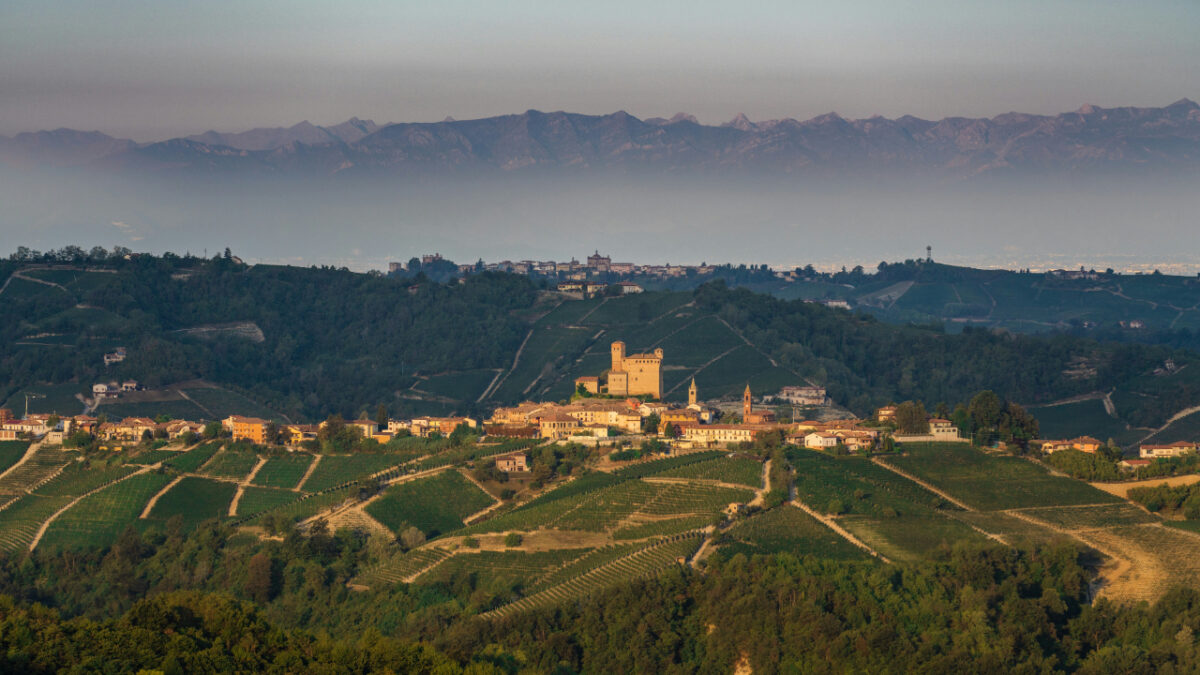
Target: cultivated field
(97,520)
(335,470)
(285,471)
(434,505)
(194,500)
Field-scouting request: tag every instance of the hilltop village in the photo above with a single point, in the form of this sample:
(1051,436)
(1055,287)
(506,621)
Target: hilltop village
(619,409)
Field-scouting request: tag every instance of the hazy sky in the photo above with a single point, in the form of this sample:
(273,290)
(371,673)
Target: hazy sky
(151,69)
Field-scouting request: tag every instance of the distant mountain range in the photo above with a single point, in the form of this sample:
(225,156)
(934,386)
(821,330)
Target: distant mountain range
(1089,139)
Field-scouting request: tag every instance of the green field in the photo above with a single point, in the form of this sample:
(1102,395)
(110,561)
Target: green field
(97,520)
(79,479)
(1085,418)
(740,470)
(191,460)
(465,386)
(787,530)
(195,500)
(855,485)
(50,399)
(285,471)
(20,520)
(1184,429)
(11,452)
(426,504)
(498,569)
(222,403)
(231,464)
(258,499)
(179,409)
(991,482)
(335,470)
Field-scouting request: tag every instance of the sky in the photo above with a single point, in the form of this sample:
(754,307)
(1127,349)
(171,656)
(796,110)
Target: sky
(154,69)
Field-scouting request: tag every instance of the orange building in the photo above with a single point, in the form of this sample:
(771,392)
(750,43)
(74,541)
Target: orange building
(748,414)
(250,429)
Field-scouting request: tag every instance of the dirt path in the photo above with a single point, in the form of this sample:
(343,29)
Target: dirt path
(711,361)
(705,549)
(918,481)
(1122,489)
(308,474)
(243,484)
(37,538)
(833,525)
(29,452)
(516,360)
(479,514)
(154,500)
(1173,419)
(760,495)
(185,397)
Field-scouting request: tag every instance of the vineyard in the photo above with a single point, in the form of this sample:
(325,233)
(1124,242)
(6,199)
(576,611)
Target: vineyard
(738,470)
(98,519)
(45,464)
(507,568)
(20,520)
(11,452)
(990,482)
(194,500)
(259,499)
(787,530)
(335,470)
(434,505)
(283,472)
(193,459)
(231,464)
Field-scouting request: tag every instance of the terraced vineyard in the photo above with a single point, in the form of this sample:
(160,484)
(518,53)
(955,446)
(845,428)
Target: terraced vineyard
(258,499)
(189,461)
(738,470)
(500,567)
(78,479)
(41,467)
(11,452)
(787,530)
(305,506)
(658,528)
(1158,558)
(194,500)
(335,470)
(155,456)
(1092,517)
(644,562)
(991,482)
(434,505)
(20,520)
(231,464)
(401,567)
(856,485)
(285,471)
(98,519)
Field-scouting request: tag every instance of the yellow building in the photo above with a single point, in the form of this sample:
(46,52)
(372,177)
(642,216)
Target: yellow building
(635,374)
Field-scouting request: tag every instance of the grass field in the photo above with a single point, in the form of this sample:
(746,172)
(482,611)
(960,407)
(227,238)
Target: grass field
(195,500)
(427,504)
(231,464)
(285,471)
(787,530)
(991,482)
(97,520)
(258,499)
(11,452)
(335,470)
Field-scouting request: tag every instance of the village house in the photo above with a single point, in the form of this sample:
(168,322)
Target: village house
(886,414)
(1176,449)
(590,384)
(1052,446)
(515,461)
(720,434)
(749,415)
(1133,464)
(177,428)
(130,385)
(367,428)
(557,425)
(295,434)
(629,288)
(427,426)
(820,440)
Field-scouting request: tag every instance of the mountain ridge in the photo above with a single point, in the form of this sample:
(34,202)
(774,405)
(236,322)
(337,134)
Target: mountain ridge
(1089,138)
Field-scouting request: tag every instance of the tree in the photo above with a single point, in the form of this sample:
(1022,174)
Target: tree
(381,416)
(260,585)
(512,540)
(911,418)
(412,538)
(212,430)
(650,423)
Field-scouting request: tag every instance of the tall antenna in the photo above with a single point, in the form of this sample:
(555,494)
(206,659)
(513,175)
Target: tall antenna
(928,254)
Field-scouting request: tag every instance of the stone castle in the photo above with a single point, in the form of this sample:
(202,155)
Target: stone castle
(628,375)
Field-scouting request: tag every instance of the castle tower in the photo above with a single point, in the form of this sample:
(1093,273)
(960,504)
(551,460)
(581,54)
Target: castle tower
(747,406)
(692,393)
(618,357)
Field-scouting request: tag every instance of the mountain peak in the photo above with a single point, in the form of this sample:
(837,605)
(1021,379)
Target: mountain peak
(1185,103)
(683,117)
(740,122)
